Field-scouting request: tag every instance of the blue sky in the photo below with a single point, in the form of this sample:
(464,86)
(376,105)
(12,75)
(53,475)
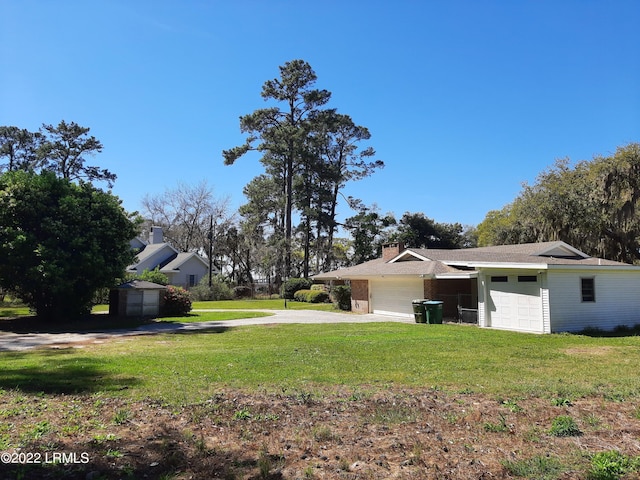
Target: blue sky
(465,100)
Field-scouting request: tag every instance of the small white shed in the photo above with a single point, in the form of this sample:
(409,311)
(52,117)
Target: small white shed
(137,298)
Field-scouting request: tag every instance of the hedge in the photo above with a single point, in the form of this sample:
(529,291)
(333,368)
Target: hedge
(341,296)
(311,296)
(291,286)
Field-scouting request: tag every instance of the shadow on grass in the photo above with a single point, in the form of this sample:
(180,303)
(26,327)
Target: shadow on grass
(59,371)
(204,331)
(619,331)
(168,454)
(88,323)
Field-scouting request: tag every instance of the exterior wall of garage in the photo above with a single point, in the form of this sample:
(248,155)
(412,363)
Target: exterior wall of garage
(393,295)
(617,300)
(453,292)
(360,296)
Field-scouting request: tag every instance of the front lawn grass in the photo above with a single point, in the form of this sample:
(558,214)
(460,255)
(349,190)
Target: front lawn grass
(8,311)
(179,368)
(266,304)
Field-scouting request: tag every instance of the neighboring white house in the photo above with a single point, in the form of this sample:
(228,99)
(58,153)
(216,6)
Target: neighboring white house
(182,269)
(541,287)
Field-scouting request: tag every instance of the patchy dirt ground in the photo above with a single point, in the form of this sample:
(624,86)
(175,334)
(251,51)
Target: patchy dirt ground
(367,434)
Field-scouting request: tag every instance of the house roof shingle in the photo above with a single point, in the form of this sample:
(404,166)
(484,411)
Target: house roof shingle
(179,260)
(436,262)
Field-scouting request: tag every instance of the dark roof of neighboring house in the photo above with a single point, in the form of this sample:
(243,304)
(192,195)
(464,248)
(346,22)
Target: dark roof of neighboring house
(440,262)
(180,259)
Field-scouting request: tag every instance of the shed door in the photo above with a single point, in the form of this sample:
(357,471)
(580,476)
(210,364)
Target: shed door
(394,296)
(142,302)
(134,303)
(150,302)
(515,303)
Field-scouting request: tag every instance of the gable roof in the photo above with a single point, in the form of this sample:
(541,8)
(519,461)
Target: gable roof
(380,267)
(544,253)
(465,262)
(180,260)
(163,253)
(140,285)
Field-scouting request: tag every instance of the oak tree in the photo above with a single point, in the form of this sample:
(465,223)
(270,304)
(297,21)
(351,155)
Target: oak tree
(60,242)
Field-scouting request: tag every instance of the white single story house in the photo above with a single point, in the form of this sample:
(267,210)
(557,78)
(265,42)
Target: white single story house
(183,269)
(537,287)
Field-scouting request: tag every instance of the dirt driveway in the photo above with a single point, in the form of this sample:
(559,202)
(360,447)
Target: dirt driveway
(25,341)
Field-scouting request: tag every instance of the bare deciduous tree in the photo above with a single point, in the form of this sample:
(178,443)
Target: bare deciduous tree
(185,214)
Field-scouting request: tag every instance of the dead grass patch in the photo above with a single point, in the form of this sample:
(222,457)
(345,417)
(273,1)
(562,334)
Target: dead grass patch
(393,433)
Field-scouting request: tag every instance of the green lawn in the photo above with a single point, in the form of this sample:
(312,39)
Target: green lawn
(277,304)
(11,311)
(191,367)
(27,324)
(7,311)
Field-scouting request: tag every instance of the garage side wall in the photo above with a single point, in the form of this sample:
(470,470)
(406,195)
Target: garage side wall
(617,300)
(360,296)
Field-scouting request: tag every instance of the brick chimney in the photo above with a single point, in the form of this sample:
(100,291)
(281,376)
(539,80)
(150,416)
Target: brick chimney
(155,235)
(391,250)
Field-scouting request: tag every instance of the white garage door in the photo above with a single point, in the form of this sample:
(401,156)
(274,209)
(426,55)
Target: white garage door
(515,303)
(394,296)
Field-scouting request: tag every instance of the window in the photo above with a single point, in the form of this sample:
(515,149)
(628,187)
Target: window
(193,280)
(527,278)
(500,279)
(588,288)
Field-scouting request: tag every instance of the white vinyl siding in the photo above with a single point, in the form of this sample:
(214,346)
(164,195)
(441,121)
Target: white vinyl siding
(617,300)
(182,277)
(394,296)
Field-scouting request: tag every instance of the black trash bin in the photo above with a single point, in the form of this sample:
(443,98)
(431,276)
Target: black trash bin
(419,311)
(433,311)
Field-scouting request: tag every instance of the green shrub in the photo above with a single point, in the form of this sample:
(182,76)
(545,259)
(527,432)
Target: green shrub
(564,426)
(291,286)
(177,302)
(318,297)
(311,296)
(242,291)
(219,289)
(319,286)
(341,296)
(153,276)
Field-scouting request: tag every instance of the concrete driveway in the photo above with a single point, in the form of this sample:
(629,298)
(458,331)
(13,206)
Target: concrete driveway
(25,341)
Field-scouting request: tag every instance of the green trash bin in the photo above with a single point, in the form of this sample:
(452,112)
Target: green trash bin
(433,311)
(419,311)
